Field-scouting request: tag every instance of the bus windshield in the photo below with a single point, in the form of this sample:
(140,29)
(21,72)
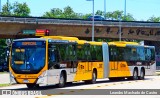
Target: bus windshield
(28,60)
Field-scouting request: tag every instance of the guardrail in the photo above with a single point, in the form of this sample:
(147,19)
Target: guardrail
(40,20)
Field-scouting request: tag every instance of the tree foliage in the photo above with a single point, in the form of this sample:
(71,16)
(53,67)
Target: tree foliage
(154,19)
(15,9)
(67,12)
(7,9)
(116,15)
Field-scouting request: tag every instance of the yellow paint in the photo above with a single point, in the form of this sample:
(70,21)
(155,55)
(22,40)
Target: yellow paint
(85,69)
(61,37)
(122,43)
(119,69)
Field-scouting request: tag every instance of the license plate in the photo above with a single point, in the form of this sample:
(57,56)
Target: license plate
(26,81)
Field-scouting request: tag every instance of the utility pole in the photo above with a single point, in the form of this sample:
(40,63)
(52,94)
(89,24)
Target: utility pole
(105,9)
(0,7)
(125,9)
(8,6)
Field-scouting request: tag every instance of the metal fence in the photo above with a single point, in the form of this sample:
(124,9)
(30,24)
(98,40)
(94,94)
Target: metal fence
(40,20)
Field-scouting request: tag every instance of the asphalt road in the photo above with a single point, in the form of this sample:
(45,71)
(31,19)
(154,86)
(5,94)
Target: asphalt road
(103,88)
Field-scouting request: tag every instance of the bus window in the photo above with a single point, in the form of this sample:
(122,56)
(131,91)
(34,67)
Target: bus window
(140,54)
(81,52)
(93,52)
(96,53)
(99,53)
(147,54)
(71,52)
(152,55)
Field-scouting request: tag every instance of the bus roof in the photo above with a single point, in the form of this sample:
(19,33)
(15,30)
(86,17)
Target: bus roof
(81,41)
(122,43)
(61,38)
(95,43)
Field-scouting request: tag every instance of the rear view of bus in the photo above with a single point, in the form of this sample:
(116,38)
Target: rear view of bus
(27,61)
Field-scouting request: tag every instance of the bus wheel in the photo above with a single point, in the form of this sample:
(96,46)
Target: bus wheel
(94,77)
(142,74)
(135,75)
(61,80)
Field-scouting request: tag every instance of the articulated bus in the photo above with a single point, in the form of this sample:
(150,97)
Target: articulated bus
(51,60)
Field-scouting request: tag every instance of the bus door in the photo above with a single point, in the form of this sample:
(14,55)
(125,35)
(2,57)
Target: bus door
(72,57)
(113,58)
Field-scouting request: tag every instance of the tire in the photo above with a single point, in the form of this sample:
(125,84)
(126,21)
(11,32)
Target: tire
(142,74)
(61,81)
(135,75)
(94,77)
(30,86)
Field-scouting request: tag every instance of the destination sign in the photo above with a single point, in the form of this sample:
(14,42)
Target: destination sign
(29,43)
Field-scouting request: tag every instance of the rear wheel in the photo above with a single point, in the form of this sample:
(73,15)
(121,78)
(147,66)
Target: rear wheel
(94,77)
(61,80)
(142,74)
(135,75)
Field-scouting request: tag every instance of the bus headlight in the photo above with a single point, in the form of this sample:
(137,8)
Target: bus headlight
(12,80)
(44,73)
(11,75)
(42,79)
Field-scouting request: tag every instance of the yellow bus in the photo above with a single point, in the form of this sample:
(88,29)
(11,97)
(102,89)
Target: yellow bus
(57,60)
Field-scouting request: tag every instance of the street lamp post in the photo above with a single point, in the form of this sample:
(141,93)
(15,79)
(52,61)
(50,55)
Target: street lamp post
(92,20)
(0,7)
(105,9)
(125,9)
(8,5)
(119,17)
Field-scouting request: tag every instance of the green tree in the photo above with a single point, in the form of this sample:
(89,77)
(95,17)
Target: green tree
(15,9)
(7,10)
(2,42)
(69,13)
(128,17)
(99,12)
(154,19)
(21,9)
(115,15)
(54,13)
(86,16)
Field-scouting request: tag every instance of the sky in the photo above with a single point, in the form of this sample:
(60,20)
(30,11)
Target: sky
(140,9)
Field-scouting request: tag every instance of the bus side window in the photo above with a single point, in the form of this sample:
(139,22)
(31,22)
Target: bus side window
(152,54)
(93,52)
(81,52)
(52,55)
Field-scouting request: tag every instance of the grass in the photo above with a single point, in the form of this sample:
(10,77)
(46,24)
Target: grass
(6,84)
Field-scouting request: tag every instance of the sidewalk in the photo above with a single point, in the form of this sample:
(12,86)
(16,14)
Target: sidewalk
(4,78)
